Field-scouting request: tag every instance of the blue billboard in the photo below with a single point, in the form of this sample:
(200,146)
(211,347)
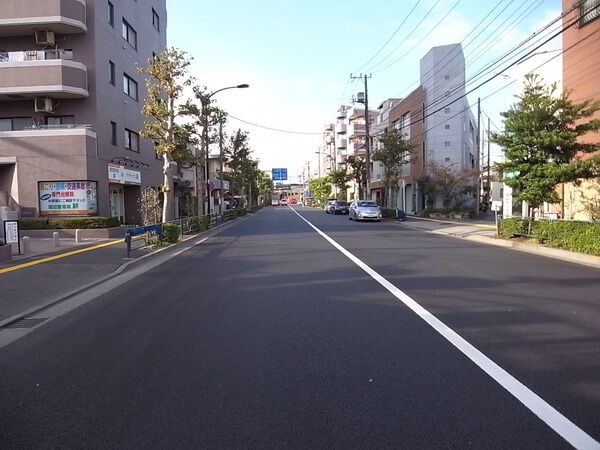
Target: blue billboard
(279,174)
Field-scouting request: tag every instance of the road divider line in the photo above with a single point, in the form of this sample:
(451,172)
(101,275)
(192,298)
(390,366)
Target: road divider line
(54,257)
(542,409)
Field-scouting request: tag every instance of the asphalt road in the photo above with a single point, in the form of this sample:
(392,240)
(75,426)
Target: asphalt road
(268,336)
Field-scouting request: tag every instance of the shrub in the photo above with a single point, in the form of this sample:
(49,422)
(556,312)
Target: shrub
(202,223)
(513,226)
(388,213)
(170,232)
(241,212)
(229,214)
(582,237)
(69,223)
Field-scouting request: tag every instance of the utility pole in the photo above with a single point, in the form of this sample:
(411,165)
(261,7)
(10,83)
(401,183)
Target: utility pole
(489,179)
(367,137)
(479,153)
(221,190)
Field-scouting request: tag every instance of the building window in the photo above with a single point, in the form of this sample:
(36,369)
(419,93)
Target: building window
(129,34)
(132,140)
(447,126)
(155,20)
(130,87)
(16,123)
(446,143)
(57,121)
(589,11)
(113,133)
(447,159)
(447,110)
(111,14)
(111,72)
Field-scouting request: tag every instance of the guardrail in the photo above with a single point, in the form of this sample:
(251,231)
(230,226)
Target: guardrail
(147,234)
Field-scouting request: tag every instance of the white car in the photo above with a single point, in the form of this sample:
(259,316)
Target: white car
(364,210)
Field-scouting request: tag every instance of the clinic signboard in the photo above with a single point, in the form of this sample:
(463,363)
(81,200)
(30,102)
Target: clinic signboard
(79,197)
(120,175)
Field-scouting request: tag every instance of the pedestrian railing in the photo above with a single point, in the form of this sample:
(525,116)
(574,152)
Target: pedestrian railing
(139,237)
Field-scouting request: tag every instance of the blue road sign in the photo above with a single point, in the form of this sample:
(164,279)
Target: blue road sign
(279,174)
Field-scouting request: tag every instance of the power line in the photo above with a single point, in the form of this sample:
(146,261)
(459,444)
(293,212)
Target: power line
(407,36)
(422,39)
(273,129)
(390,38)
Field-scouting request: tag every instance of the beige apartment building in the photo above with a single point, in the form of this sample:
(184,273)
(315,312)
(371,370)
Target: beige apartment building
(70,100)
(581,70)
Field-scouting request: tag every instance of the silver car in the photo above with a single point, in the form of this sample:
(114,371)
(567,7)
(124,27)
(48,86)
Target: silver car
(364,210)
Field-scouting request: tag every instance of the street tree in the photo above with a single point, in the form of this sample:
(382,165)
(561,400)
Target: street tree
(448,184)
(237,154)
(320,188)
(394,152)
(340,178)
(357,171)
(542,145)
(165,108)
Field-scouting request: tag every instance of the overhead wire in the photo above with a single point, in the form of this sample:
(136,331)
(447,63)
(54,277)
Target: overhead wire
(407,36)
(390,38)
(420,41)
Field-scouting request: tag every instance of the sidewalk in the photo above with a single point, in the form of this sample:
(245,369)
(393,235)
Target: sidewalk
(48,273)
(485,232)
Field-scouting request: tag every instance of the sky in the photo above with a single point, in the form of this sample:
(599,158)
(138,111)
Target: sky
(298,57)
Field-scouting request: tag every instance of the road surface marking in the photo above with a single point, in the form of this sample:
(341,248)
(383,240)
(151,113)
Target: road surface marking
(555,420)
(62,255)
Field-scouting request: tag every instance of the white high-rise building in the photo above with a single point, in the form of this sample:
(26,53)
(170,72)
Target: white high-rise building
(450,129)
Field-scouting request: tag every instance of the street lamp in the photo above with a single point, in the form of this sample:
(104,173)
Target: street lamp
(205,101)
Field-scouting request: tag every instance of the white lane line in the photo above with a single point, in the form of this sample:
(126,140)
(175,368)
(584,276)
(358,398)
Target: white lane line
(555,420)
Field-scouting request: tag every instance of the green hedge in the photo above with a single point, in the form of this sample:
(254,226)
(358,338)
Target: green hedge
(582,237)
(202,223)
(170,232)
(388,213)
(465,212)
(68,223)
(240,211)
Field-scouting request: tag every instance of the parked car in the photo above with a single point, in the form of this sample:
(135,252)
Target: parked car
(364,210)
(275,202)
(338,207)
(328,204)
(292,201)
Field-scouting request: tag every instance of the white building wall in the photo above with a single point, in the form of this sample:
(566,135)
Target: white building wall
(449,128)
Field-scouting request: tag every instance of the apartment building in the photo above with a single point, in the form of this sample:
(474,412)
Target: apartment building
(70,100)
(581,70)
(450,129)
(350,132)
(382,124)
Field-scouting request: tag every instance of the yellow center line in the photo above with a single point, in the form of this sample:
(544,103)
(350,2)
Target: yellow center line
(62,255)
(480,225)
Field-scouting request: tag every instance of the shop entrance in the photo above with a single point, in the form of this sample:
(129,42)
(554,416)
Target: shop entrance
(117,202)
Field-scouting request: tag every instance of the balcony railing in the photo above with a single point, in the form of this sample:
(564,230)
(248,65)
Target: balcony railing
(24,17)
(33,73)
(36,55)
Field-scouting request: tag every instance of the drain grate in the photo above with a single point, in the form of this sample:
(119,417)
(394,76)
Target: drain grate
(25,323)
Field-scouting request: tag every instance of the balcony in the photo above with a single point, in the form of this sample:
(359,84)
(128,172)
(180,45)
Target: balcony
(341,143)
(340,128)
(356,129)
(32,73)
(341,113)
(23,17)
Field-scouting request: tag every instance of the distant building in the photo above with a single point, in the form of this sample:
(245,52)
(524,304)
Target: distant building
(581,71)
(70,100)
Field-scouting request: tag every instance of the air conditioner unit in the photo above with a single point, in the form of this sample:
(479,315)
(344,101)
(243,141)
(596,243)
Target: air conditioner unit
(44,37)
(44,104)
